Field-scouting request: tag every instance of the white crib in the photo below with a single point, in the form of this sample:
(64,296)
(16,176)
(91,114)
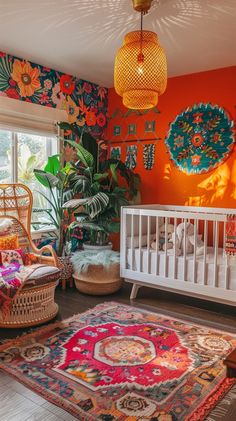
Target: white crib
(211,275)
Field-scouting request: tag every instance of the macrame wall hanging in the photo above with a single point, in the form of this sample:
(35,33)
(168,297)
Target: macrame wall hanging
(131,156)
(115,153)
(200,138)
(149,156)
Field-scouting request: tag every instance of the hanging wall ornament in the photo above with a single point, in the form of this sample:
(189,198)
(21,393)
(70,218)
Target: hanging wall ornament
(115,152)
(149,156)
(131,157)
(200,138)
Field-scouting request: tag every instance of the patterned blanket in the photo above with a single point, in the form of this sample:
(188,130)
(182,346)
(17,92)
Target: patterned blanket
(230,241)
(12,280)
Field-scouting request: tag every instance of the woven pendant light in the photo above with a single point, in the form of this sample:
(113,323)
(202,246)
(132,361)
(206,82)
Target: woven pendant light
(140,74)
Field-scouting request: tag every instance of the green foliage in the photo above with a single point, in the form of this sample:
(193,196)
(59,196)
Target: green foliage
(53,164)
(97,188)
(83,155)
(26,164)
(55,178)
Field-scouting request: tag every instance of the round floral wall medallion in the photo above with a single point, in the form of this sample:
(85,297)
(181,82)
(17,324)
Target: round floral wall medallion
(200,138)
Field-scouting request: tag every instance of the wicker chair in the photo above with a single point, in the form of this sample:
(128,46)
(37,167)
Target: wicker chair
(34,304)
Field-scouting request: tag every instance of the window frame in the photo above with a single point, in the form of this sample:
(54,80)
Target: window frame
(51,149)
(14,144)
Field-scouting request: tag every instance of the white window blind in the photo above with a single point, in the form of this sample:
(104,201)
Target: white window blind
(16,115)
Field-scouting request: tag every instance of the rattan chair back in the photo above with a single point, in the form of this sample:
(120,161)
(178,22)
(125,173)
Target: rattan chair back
(16,200)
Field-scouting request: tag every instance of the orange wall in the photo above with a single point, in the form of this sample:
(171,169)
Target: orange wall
(165,184)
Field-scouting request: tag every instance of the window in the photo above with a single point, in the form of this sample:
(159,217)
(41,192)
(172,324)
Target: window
(20,153)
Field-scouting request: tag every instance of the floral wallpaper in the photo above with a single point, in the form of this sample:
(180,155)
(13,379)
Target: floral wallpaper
(85,102)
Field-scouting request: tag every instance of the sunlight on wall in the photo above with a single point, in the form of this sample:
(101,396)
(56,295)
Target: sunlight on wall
(216,187)
(167,171)
(233,181)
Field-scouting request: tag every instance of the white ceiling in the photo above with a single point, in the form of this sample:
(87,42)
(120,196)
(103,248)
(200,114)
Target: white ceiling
(81,37)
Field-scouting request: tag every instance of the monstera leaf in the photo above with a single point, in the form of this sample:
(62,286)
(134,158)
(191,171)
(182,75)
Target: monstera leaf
(97,204)
(94,204)
(80,184)
(75,203)
(90,226)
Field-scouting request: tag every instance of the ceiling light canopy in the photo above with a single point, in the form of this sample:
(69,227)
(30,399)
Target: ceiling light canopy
(140,74)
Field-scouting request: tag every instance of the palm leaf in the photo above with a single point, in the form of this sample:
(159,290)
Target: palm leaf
(46,179)
(53,205)
(113,167)
(84,156)
(100,176)
(90,144)
(54,221)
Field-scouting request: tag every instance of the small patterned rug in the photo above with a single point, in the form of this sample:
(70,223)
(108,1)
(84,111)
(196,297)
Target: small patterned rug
(116,363)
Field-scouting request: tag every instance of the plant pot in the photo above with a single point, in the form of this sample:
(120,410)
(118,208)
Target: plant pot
(66,268)
(99,280)
(97,247)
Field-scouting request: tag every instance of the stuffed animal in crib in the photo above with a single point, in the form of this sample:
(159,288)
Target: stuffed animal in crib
(162,238)
(189,239)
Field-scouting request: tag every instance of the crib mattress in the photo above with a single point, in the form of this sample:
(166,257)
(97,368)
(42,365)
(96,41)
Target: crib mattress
(160,258)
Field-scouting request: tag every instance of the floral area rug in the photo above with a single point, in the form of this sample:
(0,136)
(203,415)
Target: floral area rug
(117,362)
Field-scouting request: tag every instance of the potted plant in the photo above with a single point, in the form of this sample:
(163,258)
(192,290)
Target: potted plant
(97,273)
(54,177)
(101,188)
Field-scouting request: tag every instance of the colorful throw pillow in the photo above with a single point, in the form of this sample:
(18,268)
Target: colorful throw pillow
(9,257)
(9,242)
(30,259)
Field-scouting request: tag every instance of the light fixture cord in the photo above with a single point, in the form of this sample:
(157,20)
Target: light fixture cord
(141,40)
(140,55)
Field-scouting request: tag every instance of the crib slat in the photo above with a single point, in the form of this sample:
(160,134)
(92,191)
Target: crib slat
(132,242)
(140,243)
(226,273)
(157,247)
(175,255)
(216,241)
(185,256)
(148,244)
(194,249)
(166,242)
(205,252)
(195,281)
(124,262)
(224,239)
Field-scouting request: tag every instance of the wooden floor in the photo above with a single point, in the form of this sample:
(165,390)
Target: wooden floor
(17,403)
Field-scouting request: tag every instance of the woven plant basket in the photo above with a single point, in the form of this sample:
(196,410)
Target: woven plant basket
(99,280)
(32,306)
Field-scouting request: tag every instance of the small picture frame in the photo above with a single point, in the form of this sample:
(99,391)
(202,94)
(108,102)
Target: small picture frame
(132,129)
(150,126)
(117,130)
